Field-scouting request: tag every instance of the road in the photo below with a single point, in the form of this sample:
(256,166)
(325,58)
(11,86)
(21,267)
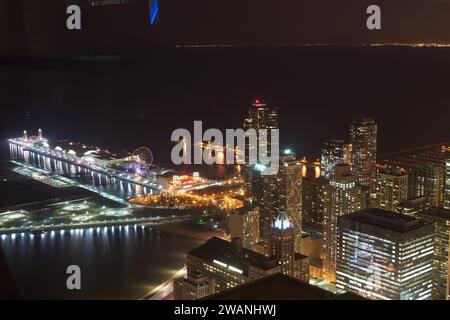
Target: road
(164,289)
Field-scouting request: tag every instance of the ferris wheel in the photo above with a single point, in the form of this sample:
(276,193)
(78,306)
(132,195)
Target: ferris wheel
(143,155)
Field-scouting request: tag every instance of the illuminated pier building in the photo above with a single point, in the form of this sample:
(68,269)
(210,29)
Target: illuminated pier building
(334,152)
(426,171)
(283,193)
(345,197)
(441,219)
(385,255)
(73,159)
(282,248)
(363,138)
(391,188)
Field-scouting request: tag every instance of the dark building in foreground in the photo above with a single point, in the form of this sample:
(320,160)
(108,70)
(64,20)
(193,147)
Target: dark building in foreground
(280,287)
(385,255)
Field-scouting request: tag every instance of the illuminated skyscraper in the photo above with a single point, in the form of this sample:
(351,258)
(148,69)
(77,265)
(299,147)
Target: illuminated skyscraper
(345,197)
(283,193)
(385,255)
(447,184)
(282,243)
(259,116)
(334,152)
(363,137)
(441,219)
(391,187)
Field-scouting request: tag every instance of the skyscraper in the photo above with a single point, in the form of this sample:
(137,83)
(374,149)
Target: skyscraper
(385,255)
(314,195)
(282,248)
(363,137)
(441,219)
(244,224)
(282,243)
(345,197)
(259,116)
(283,193)
(391,187)
(426,171)
(334,152)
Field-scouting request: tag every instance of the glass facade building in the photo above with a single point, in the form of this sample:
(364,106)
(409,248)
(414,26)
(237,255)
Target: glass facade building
(344,197)
(385,255)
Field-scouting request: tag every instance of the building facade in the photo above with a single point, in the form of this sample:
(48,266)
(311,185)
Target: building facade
(283,193)
(384,255)
(195,286)
(315,192)
(391,188)
(345,197)
(260,116)
(244,224)
(227,264)
(426,169)
(411,207)
(447,184)
(334,152)
(441,219)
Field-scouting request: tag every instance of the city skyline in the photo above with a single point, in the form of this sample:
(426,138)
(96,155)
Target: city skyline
(212,151)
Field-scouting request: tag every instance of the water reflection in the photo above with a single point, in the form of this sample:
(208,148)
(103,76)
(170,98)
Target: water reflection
(121,262)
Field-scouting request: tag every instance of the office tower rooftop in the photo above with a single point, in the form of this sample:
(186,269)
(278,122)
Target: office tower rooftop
(412,206)
(425,167)
(225,254)
(384,219)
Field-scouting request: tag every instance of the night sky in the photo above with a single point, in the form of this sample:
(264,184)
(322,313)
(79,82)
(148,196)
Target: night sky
(118,82)
(38,27)
(319,91)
